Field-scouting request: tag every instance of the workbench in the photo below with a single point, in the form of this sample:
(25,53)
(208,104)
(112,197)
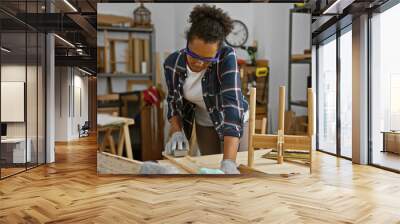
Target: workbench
(111,164)
(107,123)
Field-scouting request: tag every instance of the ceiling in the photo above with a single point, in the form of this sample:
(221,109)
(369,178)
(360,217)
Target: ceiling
(72,20)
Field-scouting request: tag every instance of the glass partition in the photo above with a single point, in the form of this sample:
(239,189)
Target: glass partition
(14,151)
(327,96)
(22,88)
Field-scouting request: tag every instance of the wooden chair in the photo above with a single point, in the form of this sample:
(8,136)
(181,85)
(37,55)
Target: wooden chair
(282,142)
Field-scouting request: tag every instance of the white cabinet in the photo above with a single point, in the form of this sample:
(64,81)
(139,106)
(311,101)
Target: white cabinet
(16,147)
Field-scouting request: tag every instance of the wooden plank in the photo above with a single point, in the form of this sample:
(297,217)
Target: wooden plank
(124,40)
(299,57)
(261,125)
(281,121)
(310,96)
(264,125)
(146,54)
(282,104)
(296,142)
(110,140)
(110,20)
(252,117)
(141,55)
(130,54)
(184,162)
(106,52)
(158,69)
(108,97)
(310,100)
(264,141)
(112,164)
(128,146)
(112,56)
(136,55)
(121,141)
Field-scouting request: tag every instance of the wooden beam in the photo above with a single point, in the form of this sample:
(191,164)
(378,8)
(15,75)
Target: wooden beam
(252,118)
(310,100)
(264,125)
(106,52)
(264,141)
(310,96)
(296,142)
(281,123)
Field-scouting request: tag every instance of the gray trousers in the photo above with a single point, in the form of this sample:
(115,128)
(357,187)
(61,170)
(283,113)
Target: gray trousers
(209,143)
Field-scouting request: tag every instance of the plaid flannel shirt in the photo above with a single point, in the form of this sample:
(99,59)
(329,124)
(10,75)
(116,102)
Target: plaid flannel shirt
(222,93)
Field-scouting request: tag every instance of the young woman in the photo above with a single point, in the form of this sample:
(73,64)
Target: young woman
(204,85)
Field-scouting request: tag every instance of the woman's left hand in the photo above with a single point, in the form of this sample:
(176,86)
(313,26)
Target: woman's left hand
(228,166)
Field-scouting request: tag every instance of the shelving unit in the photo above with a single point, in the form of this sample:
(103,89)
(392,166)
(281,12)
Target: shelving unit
(130,37)
(297,59)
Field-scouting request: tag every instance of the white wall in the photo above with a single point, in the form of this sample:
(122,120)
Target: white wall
(68,82)
(171,20)
(267,23)
(272,34)
(163,16)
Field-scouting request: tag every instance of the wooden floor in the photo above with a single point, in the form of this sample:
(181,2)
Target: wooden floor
(70,191)
(387,159)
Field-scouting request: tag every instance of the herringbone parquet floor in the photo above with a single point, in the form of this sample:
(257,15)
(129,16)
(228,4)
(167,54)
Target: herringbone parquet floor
(70,191)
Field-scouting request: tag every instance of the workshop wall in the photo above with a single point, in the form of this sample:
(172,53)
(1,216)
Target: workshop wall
(267,23)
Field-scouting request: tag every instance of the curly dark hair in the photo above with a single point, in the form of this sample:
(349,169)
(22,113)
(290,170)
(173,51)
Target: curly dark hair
(209,23)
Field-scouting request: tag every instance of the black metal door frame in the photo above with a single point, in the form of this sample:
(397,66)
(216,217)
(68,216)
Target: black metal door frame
(338,34)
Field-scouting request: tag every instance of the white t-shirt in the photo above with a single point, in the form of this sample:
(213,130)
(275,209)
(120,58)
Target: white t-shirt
(193,92)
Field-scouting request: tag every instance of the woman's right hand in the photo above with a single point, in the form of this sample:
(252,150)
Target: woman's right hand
(178,141)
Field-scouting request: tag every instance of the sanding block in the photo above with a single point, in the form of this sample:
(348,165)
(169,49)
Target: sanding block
(180,153)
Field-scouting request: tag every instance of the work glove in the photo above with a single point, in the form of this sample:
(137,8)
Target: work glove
(178,141)
(228,166)
(149,167)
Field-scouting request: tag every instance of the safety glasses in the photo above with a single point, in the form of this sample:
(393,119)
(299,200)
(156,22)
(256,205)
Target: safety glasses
(200,58)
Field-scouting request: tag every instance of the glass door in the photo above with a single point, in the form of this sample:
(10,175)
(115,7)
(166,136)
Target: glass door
(326,78)
(345,42)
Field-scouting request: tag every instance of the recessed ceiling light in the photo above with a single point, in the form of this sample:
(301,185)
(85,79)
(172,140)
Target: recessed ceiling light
(70,5)
(5,50)
(64,40)
(86,72)
(337,7)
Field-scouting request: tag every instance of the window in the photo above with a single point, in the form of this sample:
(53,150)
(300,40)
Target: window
(346,93)
(385,89)
(334,106)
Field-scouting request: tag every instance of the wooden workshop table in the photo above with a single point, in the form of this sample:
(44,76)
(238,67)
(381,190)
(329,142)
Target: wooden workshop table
(110,164)
(112,124)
